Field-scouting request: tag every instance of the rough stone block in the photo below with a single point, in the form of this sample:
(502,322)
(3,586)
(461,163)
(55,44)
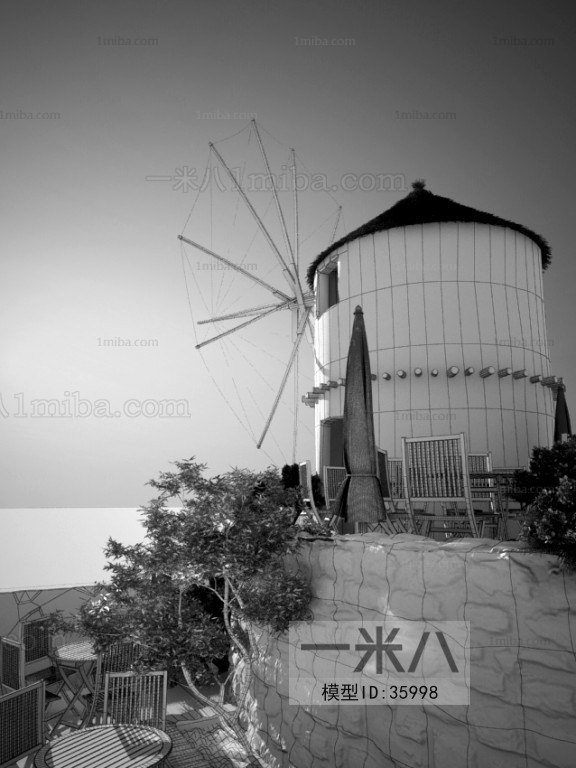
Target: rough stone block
(522,667)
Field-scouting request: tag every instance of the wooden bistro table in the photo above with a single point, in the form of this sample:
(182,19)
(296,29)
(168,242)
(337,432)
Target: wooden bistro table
(106,746)
(75,663)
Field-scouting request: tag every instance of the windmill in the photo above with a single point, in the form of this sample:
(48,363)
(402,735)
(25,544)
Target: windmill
(291,296)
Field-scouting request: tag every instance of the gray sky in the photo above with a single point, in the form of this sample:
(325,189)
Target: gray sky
(88,245)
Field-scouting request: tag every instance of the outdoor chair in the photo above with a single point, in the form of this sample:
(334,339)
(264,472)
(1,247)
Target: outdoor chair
(27,659)
(11,665)
(120,657)
(133,699)
(38,641)
(390,476)
(512,510)
(333,479)
(393,524)
(13,669)
(385,484)
(483,490)
(436,470)
(395,480)
(305,472)
(21,722)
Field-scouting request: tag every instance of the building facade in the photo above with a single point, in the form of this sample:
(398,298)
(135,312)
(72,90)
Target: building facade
(454,312)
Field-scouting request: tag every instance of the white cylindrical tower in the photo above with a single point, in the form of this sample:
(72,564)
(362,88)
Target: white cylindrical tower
(454,313)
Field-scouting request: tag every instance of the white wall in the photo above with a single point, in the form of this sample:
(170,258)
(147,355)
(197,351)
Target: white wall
(437,295)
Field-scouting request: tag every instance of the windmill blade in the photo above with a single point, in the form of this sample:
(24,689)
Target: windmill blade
(299,336)
(297,285)
(246,312)
(310,331)
(231,264)
(336,224)
(274,190)
(243,325)
(295,207)
(288,276)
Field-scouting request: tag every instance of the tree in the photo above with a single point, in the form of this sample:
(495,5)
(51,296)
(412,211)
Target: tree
(290,476)
(291,479)
(229,540)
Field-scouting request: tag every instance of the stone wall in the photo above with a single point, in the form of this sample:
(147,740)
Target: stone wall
(27,605)
(521,609)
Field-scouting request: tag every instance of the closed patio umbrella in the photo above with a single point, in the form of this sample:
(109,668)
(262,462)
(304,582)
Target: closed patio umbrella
(562,417)
(360,496)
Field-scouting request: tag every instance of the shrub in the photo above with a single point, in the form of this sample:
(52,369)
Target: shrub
(547,467)
(550,523)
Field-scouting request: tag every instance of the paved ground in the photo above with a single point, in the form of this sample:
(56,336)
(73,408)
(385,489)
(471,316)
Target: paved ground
(204,744)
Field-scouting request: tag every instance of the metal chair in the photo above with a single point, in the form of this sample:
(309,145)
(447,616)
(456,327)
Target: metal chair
(21,722)
(133,699)
(305,471)
(436,470)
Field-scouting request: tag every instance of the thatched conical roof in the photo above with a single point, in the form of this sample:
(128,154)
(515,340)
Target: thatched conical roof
(423,207)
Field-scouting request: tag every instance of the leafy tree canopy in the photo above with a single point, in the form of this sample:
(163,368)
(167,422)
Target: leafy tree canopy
(206,570)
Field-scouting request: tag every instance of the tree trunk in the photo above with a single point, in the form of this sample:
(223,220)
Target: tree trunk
(229,723)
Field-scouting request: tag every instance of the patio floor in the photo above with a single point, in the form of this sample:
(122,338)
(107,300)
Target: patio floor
(204,745)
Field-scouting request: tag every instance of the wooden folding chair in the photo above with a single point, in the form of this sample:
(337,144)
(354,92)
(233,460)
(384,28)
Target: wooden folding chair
(21,722)
(133,699)
(435,469)
(12,663)
(514,513)
(483,490)
(384,477)
(333,479)
(29,657)
(390,476)
(305,471)
(14,672)
(120,657)
(392,525)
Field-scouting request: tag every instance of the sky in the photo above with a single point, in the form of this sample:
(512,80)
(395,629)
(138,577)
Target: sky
(106,114)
